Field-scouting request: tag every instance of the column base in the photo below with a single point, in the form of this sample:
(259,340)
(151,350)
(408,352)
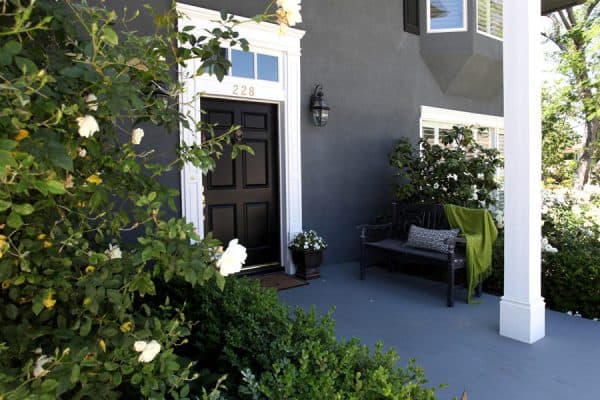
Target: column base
(525,322)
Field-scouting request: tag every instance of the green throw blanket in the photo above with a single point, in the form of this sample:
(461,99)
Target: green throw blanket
(477,226)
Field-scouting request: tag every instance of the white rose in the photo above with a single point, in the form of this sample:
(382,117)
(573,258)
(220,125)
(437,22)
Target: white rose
(547,247)
(38,368)
(113,252)
(87,126)
(288,12)
(551,249)
(148,350)
(232,259)
(136,135)
(92,102)
(81,152)
(139,346)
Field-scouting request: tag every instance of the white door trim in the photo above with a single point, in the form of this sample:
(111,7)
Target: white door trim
(263,37)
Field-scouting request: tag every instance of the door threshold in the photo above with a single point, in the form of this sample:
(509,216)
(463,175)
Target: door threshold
(261,269)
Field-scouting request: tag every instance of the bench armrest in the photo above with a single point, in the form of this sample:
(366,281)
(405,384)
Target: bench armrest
(372,233)
(458,240)
(455,242)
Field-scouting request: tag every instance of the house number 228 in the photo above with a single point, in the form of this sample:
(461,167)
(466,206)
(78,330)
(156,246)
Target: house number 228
(243,90)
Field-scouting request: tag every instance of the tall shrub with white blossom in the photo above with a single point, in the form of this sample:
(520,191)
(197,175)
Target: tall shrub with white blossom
(82,314)
(458,171)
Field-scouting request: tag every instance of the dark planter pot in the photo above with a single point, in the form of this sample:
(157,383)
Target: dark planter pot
(308,263)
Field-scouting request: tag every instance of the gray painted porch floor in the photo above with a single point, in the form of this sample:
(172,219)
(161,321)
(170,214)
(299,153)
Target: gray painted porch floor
(457,346)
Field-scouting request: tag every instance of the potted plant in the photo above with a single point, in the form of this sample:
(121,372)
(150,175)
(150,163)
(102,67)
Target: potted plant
(307,253)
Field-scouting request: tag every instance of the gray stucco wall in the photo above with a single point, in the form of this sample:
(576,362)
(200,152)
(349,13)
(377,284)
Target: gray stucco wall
(375,81)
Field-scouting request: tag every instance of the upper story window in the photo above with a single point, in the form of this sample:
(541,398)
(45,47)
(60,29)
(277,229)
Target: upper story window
(489,18)
(446,15)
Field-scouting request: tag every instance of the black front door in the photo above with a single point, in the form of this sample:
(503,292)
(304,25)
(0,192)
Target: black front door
(242,195)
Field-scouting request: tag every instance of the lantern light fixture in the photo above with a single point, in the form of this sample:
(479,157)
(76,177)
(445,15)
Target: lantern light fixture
(318,107)
(160,92)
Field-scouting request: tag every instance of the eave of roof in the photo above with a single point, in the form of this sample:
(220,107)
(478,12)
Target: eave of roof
(549,6)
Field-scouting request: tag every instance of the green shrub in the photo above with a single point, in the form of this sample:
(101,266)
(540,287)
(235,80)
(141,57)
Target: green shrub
(460,172)
(571,270)
(239,327)
(246,333)
(571,280)
(571,276)
(321,367)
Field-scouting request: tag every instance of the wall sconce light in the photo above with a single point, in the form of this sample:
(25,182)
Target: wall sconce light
(160,92)
(318,107)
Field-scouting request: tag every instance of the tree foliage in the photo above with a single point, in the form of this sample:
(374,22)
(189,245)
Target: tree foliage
(559,138)
(576,34)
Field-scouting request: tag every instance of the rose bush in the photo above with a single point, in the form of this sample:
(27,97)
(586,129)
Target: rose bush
(86,313)
(81,316)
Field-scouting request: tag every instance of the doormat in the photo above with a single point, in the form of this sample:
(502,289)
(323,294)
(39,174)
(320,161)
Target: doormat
(279,280)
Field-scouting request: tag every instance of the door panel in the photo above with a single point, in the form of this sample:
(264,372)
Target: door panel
(242,195)
(256,167)
(223,177)
(257,224)
(222,221)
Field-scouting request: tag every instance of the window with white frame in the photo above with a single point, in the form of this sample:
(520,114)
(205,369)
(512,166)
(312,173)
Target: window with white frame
(446,15)
(489,18)
(488,131)
(436,122)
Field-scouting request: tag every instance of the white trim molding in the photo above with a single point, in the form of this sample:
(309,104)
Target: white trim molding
(464,28)
(464,118)
(522,308)
(264,38)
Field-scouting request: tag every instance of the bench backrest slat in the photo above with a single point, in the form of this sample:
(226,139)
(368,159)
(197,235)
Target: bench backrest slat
(430,216)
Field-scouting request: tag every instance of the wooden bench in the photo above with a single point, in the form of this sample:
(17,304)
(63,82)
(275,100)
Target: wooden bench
(391,238)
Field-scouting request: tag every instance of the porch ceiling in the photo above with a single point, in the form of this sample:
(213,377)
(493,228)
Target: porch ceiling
(549,6)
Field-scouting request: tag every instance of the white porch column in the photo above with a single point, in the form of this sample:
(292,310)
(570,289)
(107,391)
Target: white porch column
(522,309)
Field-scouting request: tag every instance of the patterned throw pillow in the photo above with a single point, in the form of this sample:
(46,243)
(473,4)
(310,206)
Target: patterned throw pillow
(430,239)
